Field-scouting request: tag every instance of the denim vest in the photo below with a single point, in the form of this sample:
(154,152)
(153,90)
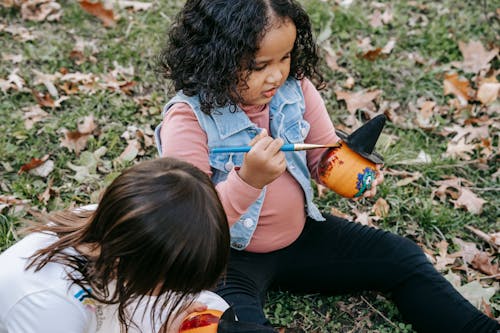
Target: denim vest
(225,127)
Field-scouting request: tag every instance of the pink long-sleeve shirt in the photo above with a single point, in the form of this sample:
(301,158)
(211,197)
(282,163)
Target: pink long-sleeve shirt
(283,215)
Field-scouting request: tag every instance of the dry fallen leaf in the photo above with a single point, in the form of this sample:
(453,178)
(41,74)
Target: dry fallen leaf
(443,259)
(459,150)
(77,140)
(360,100)
(483,263)
(97,9)
(33,114)
(425,116)
(475,56)
(381,208)
(468,250)
(35,162)
(469,201)
(473,291)
(458,86)
(41,10)
(488,92)
(20,33)
(134,5)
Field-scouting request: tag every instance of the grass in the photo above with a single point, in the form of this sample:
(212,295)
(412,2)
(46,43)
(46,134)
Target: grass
(428,29)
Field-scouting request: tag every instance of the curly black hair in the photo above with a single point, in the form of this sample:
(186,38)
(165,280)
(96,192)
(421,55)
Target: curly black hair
(212,42)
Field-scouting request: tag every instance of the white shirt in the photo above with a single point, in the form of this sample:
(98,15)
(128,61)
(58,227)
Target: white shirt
(47,301)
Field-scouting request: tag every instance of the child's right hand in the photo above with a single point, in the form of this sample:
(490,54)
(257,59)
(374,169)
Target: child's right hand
(264,162)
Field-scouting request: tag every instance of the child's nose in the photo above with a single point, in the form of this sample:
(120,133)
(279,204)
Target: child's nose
(275,75)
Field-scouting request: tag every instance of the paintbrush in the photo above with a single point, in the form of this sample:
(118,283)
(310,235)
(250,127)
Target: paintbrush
(285,147)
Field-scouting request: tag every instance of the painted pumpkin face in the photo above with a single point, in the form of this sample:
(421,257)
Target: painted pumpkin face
(201,322)
(346,172)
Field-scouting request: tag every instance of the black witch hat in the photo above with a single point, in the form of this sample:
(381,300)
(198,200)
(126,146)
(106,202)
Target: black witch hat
(363,140)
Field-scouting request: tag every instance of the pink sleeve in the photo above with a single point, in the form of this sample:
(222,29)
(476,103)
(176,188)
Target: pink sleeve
(183,138)
(322,130)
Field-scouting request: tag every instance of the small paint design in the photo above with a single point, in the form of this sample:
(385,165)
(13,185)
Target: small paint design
(83,295)
(325,166)
(365,181)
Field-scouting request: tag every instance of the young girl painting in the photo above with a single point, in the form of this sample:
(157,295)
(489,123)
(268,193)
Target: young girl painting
(134,263)
(244,72)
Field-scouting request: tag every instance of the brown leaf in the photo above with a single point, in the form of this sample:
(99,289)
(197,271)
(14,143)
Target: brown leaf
(363,217)
(360,100)
(443,259)
(336,212)
(381,208)
(74,141)
(488,91)
(425,116)
(468,250)
(87,125)
(77,140)
(43,99)
(460,150)
(41,10)
(475,56)
(35,162)
(372,55)
(446,187)
(33,114)
(45,196)
(69,88)
(457,86)
(97,9)
(469,201)
(483,262)
(20,33)
(134,5)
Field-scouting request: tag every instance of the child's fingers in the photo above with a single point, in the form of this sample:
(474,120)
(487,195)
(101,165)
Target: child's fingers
(259,136)
(176,322)
(275,145)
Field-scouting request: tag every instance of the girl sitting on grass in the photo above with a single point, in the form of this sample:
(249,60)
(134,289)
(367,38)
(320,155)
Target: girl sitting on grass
(135,263)
(244,72)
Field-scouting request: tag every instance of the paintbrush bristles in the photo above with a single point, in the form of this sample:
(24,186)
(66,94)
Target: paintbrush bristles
(307,146)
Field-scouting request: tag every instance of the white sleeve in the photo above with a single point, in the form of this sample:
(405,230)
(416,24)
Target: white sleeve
(46,312)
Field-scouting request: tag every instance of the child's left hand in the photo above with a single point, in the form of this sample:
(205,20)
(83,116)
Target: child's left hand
(175,322)
(379,178)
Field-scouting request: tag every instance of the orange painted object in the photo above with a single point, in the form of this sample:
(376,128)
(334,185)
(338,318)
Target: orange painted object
(201,322)
(346,172)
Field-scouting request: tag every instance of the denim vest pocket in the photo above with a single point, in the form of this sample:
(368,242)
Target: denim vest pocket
(297,132)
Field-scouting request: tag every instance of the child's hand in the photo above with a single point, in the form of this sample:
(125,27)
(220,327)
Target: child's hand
(175,323)
(378,180)
(264,162)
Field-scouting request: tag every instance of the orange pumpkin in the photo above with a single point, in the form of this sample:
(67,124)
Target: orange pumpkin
(346,172)
(201,322)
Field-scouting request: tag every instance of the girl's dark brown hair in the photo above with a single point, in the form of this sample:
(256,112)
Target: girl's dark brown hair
(212,42)
(160,228)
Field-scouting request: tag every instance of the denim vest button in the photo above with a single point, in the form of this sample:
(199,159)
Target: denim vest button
(229,166)
(303,131)
(237,245)
(248,223)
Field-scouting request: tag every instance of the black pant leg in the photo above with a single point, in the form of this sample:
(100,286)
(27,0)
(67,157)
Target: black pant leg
(338,256)
(246,282)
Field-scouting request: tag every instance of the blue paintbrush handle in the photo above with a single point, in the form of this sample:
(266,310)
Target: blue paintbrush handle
(245,149)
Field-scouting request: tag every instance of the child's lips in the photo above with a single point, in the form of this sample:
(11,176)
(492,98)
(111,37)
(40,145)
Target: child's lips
(270,92)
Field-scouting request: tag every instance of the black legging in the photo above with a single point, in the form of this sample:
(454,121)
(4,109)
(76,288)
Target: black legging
(338,257)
